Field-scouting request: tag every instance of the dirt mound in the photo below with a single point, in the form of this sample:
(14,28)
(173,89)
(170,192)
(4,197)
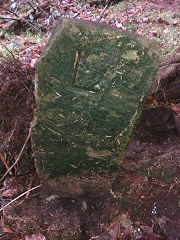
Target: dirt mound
(17,105)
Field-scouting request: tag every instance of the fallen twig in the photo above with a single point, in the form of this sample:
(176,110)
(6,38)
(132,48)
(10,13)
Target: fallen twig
(5,163)
(8,17)
(19,4)
(10,172)
(30,186)
(107,5)
(10,52)
(7,10)
(19,156)
(21,18)
(21,195)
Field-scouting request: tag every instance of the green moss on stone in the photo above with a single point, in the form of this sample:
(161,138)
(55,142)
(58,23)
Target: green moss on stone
(91,84)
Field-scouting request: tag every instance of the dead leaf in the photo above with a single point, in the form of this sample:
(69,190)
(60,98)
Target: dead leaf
(151,101)
(160,20)
(6,229)
(35,237)
(33,62)
(166,30)
(154,33)
(139,32)
(9,193)
(26,42)
(176,108)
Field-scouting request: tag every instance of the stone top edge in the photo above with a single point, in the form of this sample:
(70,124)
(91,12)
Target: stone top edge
(102,26)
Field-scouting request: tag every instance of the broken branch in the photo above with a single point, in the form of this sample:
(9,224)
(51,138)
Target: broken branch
(5,163)
(8,18)
(21,195)
(19,156)
(103,11)
(21,18)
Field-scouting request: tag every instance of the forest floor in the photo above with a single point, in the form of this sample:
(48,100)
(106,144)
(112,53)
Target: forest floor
(144,202)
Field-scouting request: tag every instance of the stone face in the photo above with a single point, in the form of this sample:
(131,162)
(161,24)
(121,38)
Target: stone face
(91,84)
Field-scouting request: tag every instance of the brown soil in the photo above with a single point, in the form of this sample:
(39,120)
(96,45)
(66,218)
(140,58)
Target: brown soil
(17,107)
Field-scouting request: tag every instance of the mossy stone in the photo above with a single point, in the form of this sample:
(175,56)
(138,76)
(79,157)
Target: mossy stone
(91,83)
